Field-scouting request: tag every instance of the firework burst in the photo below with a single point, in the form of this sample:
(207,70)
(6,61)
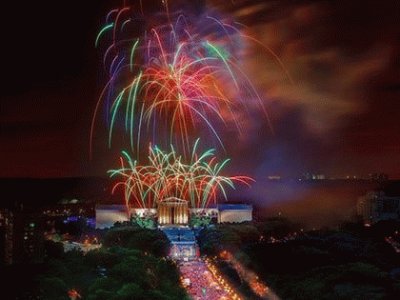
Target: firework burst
(169,175)
(179,75)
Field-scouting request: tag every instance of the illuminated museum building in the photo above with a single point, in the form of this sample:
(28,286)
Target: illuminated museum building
(173,212)
(173,216)
(183,243)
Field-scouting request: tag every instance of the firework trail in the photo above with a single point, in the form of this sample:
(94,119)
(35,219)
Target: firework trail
(167,174)
(172,75)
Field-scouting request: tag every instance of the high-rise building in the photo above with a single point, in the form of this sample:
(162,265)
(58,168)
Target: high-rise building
(376,206)
(379,177)
(313,176)
(6,237)
(28,238)
(21,237)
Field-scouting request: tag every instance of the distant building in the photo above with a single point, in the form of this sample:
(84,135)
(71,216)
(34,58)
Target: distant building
(379,177)
(183,243)
(6,237)
(21,237)
(28,238)
(108,215)
(84,247)
(235,213)
(67,208)
(173,212)
(311,176)
(376,206)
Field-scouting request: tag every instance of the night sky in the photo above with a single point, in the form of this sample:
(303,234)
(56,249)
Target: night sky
(340,116)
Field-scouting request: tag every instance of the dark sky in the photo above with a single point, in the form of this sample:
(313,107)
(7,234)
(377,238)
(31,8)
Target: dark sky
(340,116)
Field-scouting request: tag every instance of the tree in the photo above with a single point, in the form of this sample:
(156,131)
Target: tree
(130,291)
(53,249)
(54,288)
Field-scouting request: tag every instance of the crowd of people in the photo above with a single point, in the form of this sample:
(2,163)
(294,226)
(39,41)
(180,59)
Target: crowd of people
(200,283)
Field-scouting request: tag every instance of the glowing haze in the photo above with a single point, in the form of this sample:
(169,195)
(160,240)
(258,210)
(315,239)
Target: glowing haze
(177,69)
(339,116)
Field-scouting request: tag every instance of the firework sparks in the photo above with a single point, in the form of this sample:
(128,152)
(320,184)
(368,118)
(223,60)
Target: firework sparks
(181,75)
(167,174)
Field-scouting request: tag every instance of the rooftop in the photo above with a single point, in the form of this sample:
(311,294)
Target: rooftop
(235,207)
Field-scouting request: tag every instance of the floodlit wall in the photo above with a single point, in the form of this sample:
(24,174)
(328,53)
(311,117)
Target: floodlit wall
(235,215)
(206,211)
(141,212)
(107,216)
